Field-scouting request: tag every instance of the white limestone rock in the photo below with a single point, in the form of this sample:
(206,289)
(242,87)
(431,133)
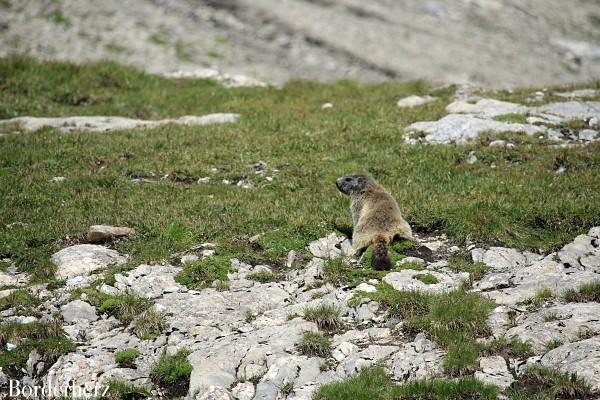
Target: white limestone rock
(331,246)
(416,360)
(494,371)
(406,280)
(107,123)
(562,322)
(414,101)
(460,128)
(78,310)
(82,259)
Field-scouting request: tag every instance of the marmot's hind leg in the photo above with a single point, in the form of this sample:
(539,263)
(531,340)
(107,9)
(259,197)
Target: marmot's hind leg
(381,260)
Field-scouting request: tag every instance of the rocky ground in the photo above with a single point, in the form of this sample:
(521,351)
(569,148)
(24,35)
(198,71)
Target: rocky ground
(474,115)
(495,43)
(243,338)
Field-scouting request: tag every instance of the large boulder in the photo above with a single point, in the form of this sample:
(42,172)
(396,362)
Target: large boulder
(83,259)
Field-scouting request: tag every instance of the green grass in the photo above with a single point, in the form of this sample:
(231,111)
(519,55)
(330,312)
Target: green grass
(374,384)
(538,299)
(21,300)
(58,18)
(201,274)
(124,307)
(264,276)
(513,118)
(519,203)
(250,316)
(463,263)
(126,358)
(453,320)
(428,279)
(47,338)
(508,348)
(125,391)
(339,272)
(158,39)
(277,243)
(553,344)
(523,95)
(326,316)
(551,317)
(150,325)
(314,344)
(172,373)
(586,292)
(542,383)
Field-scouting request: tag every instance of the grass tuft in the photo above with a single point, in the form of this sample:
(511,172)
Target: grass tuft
(428,279)
(172,373)
(264,276)
(21,300)
(125,307)
(586,292)
(314,344)
(453,320)
(326,316)
(201,274)
(548,384)
(150,325)
(125,391)
(126,358)
(47,338)
(507,348)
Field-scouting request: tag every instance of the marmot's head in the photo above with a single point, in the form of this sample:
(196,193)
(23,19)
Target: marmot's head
(352,184)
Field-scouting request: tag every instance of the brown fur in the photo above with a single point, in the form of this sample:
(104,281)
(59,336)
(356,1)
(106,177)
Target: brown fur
(376,216)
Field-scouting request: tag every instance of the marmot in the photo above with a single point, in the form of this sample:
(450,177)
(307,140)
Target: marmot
(376,217)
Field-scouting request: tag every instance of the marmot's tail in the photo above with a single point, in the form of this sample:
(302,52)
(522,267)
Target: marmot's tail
(381,260)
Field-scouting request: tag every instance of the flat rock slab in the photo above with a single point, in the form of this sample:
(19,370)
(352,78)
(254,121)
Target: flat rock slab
(576,94)
(460,128)
(217,364)
(562,322)
(582,358)
(518,286)
(406,280)
(104,124)
(516,276)
(572,110)
(502,259)
(82,259)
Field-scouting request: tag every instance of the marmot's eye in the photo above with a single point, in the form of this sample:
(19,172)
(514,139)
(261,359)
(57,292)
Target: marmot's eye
(348,179)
